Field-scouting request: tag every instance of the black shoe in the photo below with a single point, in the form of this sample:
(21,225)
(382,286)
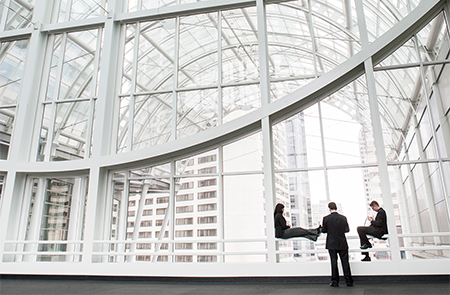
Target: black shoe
(349,284)
(367,258)
(334,285)
(366,246)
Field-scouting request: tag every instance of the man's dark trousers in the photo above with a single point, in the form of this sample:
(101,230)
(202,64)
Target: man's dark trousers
(343,254)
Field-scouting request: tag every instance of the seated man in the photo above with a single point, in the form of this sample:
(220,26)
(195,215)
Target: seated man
(377,228)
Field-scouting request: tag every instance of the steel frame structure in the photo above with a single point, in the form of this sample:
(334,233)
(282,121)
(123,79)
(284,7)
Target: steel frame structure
(100,162)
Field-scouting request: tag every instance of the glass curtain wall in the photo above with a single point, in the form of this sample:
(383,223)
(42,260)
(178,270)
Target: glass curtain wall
(193,119)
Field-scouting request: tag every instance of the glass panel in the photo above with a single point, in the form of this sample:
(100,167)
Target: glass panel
(118,196)
(242,192)
(430,40)
(290,46)
(197,111)
(196,212)
(7,116)
(204,163)
(12,63)
(62,11)
(353,190)
(152,120)
(54,45)
(198,57)
(240,52)
(281,89)
(347,132)
(305,207)
(332,44)
(122,136)
(156,54)
(406,54)
(239,100)
(301,144)
(78,79)
(45,126)
(71,127)
(62,217)
(395,105)
(138,214)
(128,57)
(149,4)
(244,155)
(18,15)
(132,5)
(380,17)
(424,209)
(83,9)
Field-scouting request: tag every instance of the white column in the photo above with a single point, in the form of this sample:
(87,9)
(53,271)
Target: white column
(324,155)
(95,213)
(220,206)
(378,137)
(76,217)
(22,134)
(269,176)
(123,220)
(10,208)
(105,111)
(24,214)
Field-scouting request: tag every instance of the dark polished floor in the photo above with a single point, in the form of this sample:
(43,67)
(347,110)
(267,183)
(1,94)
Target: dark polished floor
(363,286)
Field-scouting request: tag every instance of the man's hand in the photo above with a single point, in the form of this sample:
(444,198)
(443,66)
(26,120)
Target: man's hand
(370,218)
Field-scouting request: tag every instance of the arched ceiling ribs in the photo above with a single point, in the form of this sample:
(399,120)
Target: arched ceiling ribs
(147,119)
(255,31)
(313,39)
(163,52)
(324,18)
(25,4)
(438,22)
(291,104)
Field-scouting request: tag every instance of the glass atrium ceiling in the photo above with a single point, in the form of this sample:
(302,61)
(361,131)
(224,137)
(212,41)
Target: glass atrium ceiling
(215,82)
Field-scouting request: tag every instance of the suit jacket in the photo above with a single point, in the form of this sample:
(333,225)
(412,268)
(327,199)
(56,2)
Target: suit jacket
(379,224)
(335,225)
(280,225)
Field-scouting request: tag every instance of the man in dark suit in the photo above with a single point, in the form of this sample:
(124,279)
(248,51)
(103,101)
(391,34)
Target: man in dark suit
(336,225)
(377,228)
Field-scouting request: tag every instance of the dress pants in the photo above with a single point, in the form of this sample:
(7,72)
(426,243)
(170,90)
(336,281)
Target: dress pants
(298,232)
(363,231)
(343,254)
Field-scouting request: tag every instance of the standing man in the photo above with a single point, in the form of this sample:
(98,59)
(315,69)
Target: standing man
(377,228)
(336,225)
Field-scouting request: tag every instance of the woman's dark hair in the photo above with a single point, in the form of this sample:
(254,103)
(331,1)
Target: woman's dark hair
(278,209)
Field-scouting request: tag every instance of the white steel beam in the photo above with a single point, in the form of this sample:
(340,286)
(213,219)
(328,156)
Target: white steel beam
(378,137)
(22,137)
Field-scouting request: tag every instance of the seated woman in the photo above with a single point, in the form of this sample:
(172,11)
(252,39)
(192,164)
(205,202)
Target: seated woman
(284,231)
